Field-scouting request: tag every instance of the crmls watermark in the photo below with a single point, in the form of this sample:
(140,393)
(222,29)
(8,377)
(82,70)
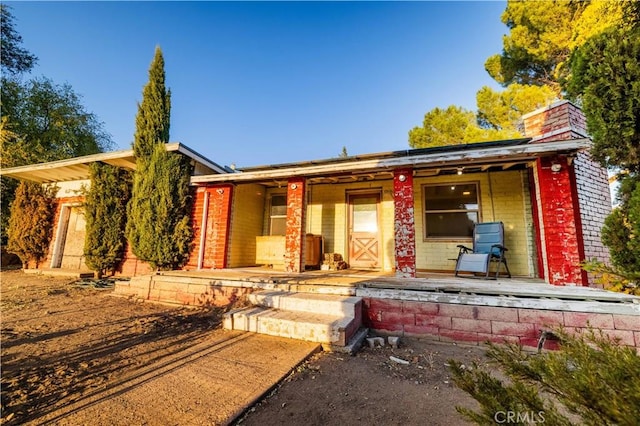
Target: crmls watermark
(526,417)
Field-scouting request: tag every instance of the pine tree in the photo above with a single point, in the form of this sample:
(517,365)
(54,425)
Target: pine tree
(105,209)
(31,223)
(159,212)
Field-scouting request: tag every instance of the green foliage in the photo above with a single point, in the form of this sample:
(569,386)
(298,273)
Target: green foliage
(153,117)
(159,212)
(612,278)
(50,122)
(542,37)
(504,110)
(621,231)
(105,210)
(591,377)
(14,59)
(606,78)
(42,121)
(159,221)
(454,126)
(31,222)
(533,63)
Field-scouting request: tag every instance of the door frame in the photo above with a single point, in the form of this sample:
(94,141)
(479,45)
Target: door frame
(365,192)
(61,234)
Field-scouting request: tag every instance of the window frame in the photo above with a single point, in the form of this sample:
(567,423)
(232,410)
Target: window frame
(426,212)
(272,216)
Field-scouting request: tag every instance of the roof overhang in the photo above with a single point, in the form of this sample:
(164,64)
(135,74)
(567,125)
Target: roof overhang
(480,155)
(78,168)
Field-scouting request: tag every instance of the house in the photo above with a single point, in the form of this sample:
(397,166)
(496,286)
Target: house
(70,178)
(406,211)
(400,213)
(403,211)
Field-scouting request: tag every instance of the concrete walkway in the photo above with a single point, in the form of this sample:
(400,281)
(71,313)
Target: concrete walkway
(211,383)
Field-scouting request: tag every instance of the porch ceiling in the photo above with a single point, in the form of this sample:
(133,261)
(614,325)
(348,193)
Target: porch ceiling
(78,168)
(471,159)
(71,169)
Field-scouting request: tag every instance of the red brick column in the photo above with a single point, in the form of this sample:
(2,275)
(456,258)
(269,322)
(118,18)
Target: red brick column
(218,226)
(560,217)
(404,223)
(294,239)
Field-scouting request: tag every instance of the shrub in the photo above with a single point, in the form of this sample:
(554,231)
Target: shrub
(31,222)
(106,216)
(591,380)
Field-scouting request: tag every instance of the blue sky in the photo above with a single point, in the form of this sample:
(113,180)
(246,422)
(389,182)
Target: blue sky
(269,82)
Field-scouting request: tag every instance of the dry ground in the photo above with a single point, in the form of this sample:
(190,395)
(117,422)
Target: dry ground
(61,341)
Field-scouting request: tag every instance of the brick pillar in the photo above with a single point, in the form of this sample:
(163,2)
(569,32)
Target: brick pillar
(404,223)
(217,213)
(560,217)
(294,238)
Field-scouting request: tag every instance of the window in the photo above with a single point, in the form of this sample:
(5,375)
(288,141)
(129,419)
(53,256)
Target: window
(278,215)
(450,211)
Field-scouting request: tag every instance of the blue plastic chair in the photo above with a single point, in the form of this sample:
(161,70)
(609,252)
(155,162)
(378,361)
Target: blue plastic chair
(488,246)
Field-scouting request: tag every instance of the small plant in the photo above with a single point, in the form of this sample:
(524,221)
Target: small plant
(591,380)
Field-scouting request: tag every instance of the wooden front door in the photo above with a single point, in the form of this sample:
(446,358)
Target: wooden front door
(364,230)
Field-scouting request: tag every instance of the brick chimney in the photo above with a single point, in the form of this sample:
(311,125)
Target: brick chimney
(561,120)
(573,201)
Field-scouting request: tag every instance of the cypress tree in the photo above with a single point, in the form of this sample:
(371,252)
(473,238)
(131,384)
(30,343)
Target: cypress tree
(159,212)
(154,113)
(31,223)
(105,211)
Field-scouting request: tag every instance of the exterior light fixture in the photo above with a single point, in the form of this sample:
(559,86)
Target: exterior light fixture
(556,167)
(460,170)
(402,178)
(294,186)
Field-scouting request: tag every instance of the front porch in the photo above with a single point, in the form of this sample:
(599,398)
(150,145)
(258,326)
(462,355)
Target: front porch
(517,291)
(433,306)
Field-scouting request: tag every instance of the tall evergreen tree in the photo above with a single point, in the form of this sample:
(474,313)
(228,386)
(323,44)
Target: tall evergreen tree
(154,113)
(31,223)
(105,210)
(159,212)
(606,79)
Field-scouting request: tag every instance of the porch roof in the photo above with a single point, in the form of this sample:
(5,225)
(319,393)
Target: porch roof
(78,168)
(483,155)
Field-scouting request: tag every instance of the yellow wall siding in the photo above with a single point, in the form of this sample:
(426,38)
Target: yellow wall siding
(505,198)
(327,213)
(246,223)
(502,198)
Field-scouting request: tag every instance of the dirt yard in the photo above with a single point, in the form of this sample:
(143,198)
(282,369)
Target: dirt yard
(61,341)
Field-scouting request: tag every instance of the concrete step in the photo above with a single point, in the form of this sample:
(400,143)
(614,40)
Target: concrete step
(308,302)
(311,327)
(332,320)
